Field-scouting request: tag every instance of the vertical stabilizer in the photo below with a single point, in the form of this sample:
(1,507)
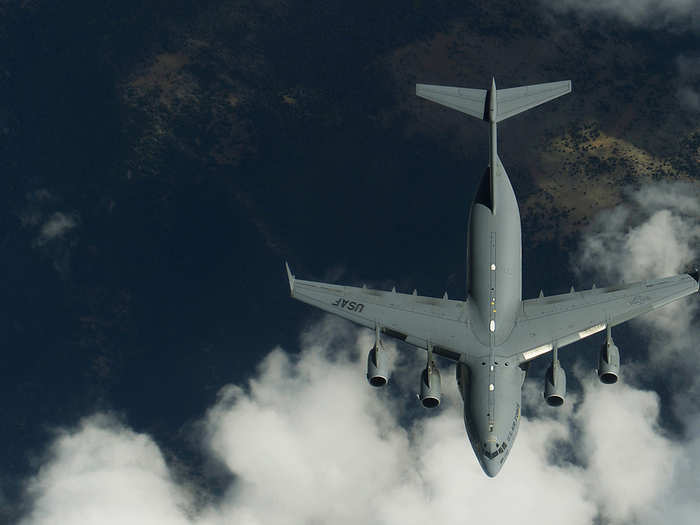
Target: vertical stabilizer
(493,141)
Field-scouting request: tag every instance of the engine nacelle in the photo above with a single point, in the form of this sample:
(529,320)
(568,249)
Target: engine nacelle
(430,387)
(609,363)
(555,385)
(377,369)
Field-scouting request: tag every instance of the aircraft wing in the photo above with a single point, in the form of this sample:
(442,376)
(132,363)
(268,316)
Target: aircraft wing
(560,320)
(412,318)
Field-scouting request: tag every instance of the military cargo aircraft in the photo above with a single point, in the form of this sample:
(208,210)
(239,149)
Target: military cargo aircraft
(493,334)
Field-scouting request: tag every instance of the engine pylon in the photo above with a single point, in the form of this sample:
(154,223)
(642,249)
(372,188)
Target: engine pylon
(377,368)
(609,360)
(430,385)
(555,382)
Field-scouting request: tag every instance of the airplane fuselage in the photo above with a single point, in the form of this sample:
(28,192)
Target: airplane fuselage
(490,384)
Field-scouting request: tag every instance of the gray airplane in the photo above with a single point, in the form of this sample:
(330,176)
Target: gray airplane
(493,334)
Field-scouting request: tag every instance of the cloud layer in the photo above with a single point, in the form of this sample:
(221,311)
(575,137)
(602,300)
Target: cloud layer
(654,233)
(308,441)
(55,227)
(54,233)
(679,14)
(103,472)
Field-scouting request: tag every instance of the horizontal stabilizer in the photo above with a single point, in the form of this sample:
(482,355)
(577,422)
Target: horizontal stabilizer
(512,101)
(469,101)
(506,102)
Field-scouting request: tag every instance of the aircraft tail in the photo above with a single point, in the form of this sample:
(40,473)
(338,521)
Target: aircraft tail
(506,102)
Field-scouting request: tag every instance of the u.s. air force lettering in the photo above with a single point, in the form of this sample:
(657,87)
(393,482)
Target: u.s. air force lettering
(348,305)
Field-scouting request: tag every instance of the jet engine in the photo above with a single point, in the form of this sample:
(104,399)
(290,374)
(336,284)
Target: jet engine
(609,363)
(555,384)
(377,369)
(430,388)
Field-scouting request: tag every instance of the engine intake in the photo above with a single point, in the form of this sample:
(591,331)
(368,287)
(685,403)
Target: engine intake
(555,385)
(377,369)
(430,387)
(609,363)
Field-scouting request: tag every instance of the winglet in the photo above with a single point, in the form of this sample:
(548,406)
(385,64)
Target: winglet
(695,274)
(290,276)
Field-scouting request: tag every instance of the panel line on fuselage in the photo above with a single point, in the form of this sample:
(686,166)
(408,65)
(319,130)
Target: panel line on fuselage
(492,286)
(492,395)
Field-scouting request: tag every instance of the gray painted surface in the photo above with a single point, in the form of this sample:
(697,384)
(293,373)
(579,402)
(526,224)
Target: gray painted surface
(493,333)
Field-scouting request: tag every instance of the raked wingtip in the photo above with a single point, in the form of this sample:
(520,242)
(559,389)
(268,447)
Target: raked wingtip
(290,277)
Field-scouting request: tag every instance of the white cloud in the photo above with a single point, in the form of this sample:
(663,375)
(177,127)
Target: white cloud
(628,458)
(50,225)
(102,472)
(650,13)
(656,233)
(55,227)
(309,441)
(53,231)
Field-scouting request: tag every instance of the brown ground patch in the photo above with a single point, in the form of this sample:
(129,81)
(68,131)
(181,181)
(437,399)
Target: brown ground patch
(582,173)
(168,90)
(166,77)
